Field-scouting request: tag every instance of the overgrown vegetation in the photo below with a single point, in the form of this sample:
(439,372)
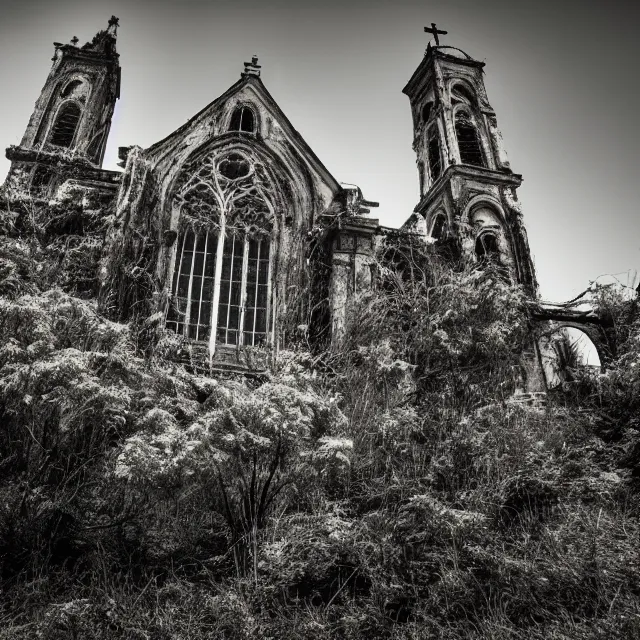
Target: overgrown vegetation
(392,490)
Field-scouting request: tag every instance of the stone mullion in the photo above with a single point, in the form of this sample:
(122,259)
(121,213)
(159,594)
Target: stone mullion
(216,287)
(243,288)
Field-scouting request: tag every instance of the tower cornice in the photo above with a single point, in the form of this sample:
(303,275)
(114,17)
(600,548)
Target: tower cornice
(468,172)
(432,54)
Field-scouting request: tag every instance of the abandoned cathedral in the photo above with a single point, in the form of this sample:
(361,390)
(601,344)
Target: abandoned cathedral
(232,233)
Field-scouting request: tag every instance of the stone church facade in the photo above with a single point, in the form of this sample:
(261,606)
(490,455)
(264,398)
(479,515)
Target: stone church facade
(220,229)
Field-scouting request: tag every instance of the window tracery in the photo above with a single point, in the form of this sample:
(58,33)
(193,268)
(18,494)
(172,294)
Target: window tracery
(223,262)
(439,226)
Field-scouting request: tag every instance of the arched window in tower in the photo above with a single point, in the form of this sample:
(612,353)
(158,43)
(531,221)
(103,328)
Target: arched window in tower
(222,272)
(433,152)
(426,112)
(242,119)
(487,249)
(468,140)
(439,226)
(65,126)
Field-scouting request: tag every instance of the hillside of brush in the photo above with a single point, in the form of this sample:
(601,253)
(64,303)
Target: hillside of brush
(394,489)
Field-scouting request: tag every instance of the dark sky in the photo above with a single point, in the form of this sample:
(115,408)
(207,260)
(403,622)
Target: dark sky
(562,77)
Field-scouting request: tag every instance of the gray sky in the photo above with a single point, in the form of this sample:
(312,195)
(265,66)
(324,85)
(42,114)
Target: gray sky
(562,77)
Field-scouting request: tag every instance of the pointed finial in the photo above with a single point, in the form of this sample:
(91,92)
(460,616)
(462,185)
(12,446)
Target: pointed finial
(251,68)
(114,23)
(74,41)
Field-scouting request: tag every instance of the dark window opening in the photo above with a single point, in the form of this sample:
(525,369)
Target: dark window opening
(487,248)
(41,180)
(234,167)
(438,229)
(433,150)
(426,111)
(242,120)
(468,142)
(65,126)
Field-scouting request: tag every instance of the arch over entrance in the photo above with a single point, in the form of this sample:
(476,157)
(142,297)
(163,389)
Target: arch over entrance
(566,349)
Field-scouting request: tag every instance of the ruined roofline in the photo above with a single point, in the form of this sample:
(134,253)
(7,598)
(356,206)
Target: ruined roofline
(101,47)
(257,81)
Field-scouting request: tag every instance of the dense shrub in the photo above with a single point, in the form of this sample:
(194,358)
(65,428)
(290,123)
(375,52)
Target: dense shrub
(396,489)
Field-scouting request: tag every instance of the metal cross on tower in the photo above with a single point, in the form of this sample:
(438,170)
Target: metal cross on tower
(435,32)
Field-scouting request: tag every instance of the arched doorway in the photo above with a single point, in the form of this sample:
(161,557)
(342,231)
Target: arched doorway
(566,351)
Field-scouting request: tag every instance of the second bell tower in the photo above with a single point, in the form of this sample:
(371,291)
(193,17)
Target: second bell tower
(72,116)
(467,187)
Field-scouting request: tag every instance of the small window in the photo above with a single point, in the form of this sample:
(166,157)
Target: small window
(487,248)
(433,150)
(468,142)
(242,120)
(437,231)
(426,111)
(65,126)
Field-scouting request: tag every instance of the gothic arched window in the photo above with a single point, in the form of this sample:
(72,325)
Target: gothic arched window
(468,140)
(222,267)
(64,129)
(243,119)
(433,153)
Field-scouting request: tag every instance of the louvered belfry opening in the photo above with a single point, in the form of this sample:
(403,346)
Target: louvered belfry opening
(65,126)
(468,141)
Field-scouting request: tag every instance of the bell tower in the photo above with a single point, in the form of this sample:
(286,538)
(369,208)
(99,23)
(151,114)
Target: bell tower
(72,116)
(467,187)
